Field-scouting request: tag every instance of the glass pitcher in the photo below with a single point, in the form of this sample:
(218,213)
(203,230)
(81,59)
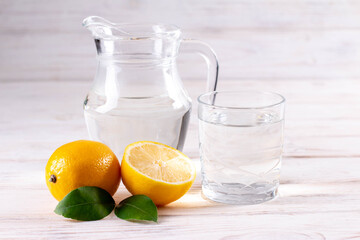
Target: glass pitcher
(137,93)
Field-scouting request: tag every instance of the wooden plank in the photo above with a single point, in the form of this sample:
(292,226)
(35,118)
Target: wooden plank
(322,117)
(242,55)
(47,62)
(44,40)
(313,202)
(319,192)
(212,14)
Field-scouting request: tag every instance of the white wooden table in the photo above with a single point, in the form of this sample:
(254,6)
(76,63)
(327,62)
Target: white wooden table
(306,50)
(320,184)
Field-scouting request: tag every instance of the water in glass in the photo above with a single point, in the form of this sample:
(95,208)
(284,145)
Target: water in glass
(241,163)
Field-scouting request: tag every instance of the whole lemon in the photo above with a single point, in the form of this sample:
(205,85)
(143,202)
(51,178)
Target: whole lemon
(82,163)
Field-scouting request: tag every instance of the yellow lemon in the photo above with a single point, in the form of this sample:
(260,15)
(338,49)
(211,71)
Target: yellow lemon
(156,170)
(82,163)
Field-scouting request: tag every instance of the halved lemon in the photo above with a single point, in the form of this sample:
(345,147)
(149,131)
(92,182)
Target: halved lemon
(156,170)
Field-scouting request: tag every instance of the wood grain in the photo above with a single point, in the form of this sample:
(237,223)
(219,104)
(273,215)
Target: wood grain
(320,184)
(306,50)
(44,40)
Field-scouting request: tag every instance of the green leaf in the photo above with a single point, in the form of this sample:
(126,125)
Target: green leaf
(86,204)
(137,207)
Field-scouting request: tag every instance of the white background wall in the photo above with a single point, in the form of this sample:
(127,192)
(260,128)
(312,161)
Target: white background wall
(43,40)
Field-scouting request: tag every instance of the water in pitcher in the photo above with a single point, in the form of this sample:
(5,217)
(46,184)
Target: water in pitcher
(159,121)
(250,166)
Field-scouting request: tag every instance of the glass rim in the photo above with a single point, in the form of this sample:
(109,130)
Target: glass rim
(281,101)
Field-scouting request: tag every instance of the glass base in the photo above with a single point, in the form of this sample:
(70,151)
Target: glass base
(237,193)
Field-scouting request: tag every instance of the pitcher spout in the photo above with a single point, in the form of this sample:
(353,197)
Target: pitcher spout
(104,29)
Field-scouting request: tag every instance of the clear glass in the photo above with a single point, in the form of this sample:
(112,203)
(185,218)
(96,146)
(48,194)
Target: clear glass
(241,139)
(137,93)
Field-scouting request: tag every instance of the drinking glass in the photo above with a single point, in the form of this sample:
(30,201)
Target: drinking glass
(241,140)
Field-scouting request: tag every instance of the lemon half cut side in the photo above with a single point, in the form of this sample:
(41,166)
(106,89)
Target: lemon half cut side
(156,170)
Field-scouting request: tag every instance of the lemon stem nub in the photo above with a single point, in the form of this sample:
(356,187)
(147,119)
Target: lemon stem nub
(52,178)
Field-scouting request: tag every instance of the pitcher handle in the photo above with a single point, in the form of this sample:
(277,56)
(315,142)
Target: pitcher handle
(192,45)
